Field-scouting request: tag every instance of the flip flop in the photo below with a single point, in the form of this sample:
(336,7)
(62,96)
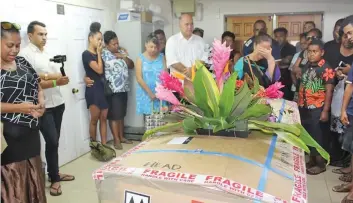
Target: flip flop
(346,178)
(320,170)
(57,192)
(118,146)
(65,177)
(345,200)
(126,141)
(341,188)
(339,171)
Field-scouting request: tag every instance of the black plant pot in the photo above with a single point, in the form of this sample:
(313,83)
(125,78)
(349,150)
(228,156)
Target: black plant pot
(240,131)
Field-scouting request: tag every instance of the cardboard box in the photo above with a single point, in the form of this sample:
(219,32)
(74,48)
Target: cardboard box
(146,17)
(128,16)
(206,169)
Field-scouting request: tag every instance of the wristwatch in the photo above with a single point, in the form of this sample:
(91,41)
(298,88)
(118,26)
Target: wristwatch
(46,76)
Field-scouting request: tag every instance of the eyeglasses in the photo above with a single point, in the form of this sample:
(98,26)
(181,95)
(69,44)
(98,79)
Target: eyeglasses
(311,37)
(8,26)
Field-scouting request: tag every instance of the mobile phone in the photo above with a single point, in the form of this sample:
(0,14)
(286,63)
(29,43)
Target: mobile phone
(342,64)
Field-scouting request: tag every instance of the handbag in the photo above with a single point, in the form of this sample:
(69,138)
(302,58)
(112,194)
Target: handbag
(107,90)
(338,98)
(101,151)
(156,118)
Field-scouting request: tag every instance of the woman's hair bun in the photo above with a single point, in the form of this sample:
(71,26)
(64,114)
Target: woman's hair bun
(95,27)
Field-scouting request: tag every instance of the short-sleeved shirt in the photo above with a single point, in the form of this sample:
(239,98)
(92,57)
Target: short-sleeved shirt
(287,50)
(17,87)
(116,72)
(350,80)
(304,56)
(265,80)
(312,88)
(87,57)
(40,61)
(186,52)
(333,55)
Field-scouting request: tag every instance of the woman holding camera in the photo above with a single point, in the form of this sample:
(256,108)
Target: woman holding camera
(22,103)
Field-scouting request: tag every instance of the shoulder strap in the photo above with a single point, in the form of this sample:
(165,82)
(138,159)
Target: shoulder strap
(250,67)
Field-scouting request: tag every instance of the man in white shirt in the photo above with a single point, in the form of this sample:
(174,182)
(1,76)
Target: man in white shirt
(184,48)
(51,80)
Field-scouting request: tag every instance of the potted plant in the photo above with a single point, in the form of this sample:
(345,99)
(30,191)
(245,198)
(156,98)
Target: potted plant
(224,105)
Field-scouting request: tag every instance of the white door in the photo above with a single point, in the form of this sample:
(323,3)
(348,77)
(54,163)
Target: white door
(67,35)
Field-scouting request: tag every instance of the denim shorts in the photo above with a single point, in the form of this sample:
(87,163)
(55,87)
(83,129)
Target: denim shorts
(348,136)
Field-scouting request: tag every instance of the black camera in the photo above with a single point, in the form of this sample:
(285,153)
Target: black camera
(60,59)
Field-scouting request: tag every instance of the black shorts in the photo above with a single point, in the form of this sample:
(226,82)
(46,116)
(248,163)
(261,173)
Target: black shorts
(117,106)
(319,131)
(348,136)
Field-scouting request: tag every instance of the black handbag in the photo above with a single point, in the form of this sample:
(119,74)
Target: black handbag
(107,90)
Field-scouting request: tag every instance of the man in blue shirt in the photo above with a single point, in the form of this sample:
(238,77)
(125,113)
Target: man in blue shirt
(260,26)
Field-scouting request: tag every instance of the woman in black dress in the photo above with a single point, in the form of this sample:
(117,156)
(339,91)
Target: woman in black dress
(22,102)
(95,98)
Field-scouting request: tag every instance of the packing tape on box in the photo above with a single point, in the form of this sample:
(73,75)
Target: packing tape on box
(270,153)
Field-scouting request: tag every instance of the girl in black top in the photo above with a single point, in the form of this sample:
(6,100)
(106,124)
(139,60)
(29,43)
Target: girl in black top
(22,103)
(95,98)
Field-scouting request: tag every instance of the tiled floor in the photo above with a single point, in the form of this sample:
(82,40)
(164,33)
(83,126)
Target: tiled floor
(83,190)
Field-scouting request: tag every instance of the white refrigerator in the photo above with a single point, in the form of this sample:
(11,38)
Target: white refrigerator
(132,36)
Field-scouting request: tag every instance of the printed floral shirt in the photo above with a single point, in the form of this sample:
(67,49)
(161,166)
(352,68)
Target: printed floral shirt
(116,72)
(312,86)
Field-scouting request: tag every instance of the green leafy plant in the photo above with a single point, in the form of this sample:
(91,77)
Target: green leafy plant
(219,105)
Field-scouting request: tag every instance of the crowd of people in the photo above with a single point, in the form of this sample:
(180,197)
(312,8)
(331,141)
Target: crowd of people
(316,75)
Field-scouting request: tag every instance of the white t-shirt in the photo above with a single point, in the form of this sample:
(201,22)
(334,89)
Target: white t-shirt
(186,52)
(41,64)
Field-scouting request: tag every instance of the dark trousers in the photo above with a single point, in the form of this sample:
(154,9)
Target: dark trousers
(50,125)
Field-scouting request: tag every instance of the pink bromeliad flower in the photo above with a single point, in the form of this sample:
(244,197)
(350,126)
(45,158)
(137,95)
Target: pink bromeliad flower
(220,57)
(273,91)
(166,95)
(171,83)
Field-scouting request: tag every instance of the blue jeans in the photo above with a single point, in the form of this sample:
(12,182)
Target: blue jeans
(50,125)
(348,136)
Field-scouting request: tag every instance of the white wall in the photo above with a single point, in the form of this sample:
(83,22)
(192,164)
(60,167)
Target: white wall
(215,10)
(109,7)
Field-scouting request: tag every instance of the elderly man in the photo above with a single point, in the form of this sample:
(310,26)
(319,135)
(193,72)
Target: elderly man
(184,48)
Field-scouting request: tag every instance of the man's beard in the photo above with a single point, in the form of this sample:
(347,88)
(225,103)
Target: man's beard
(348,45)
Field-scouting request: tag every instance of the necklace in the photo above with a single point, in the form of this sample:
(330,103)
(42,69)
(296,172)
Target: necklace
(9,66)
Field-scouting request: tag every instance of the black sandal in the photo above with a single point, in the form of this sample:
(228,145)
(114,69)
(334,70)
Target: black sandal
(315,172)
(57,192)
(343,188)
(65,177)
(346,178)
(339,171)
